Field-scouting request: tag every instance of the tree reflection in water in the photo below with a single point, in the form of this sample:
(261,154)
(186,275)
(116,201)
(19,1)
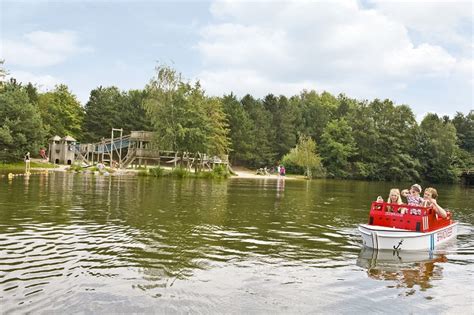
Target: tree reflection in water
(406,269)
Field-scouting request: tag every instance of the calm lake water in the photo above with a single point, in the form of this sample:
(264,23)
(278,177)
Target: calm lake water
(78,243)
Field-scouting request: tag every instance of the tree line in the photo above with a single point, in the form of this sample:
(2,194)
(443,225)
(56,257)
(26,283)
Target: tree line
(319,134)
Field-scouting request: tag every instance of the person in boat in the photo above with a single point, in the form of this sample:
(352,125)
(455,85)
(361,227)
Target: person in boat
(429,197)
(395,198)
(413,195)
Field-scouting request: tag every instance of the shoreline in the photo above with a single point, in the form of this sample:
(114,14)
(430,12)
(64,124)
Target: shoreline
(240,172)
(252,175)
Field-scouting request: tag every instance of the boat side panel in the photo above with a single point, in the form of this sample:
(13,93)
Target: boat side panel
(406,240)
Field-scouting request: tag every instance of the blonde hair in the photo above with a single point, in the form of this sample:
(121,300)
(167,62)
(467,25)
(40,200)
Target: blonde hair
(434,192)
(394,191)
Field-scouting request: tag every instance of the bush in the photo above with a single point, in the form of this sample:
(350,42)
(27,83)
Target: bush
(180,172)
(75,168)
(157,172)
(143,173)
(291,167)
(220,171)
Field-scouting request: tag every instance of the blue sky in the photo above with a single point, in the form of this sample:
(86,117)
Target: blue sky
(418,53)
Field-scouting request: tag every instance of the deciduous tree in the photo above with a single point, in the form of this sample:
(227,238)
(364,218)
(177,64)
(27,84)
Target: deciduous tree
(61,112)
(21,128)
(305,155)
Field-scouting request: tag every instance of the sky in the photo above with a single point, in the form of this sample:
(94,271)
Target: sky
(417,52)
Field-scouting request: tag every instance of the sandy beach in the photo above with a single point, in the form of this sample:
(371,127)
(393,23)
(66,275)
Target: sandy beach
(242,172)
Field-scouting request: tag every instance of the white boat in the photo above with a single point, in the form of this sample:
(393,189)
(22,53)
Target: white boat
(418,229)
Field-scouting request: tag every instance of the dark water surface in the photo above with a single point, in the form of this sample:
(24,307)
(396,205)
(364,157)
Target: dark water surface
(79,243)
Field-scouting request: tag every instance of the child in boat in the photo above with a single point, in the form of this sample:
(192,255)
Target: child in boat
(413,195)
(429,197)
(394,197)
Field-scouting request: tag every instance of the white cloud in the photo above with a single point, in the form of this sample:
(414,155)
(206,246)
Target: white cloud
(42,82)
(446,22)
(282,47)
(41,49)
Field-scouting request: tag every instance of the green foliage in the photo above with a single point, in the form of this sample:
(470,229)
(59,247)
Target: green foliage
(21,127)
(75,168)
(337,147)
(20,166)
(305,156)
(220,171)
(292,168)
(316,111)
(240,130)
(102,113)
(262,133)
(374,140)
(437,148)
(282,121)
(180,172)
(184,118)
(465,130)
(157,171)
(143,173)
(132,114)
(109,108)
(61,112)
(385,137)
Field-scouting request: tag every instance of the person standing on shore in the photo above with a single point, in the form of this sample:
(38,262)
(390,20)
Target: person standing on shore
(42,154)
(282,170)
(27,163)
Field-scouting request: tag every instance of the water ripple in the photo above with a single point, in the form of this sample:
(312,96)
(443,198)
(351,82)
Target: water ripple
(107,245)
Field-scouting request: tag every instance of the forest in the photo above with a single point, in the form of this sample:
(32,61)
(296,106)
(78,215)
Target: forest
(337,136)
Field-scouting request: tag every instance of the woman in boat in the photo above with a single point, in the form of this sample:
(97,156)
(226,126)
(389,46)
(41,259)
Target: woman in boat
(429,197)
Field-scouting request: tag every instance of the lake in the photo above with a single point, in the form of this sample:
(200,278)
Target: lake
(74,243)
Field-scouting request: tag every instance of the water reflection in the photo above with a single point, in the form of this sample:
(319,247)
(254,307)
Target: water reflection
(407,269)
(280,187)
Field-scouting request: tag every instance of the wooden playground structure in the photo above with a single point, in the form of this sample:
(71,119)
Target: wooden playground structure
(137,149)
(467,176)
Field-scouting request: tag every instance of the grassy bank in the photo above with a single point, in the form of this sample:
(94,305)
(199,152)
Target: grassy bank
(16,167)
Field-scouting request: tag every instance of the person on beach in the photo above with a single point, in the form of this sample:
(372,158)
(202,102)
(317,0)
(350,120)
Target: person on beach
(282,170)
(42,154)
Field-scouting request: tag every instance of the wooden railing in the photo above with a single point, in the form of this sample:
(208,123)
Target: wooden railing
(468,171)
